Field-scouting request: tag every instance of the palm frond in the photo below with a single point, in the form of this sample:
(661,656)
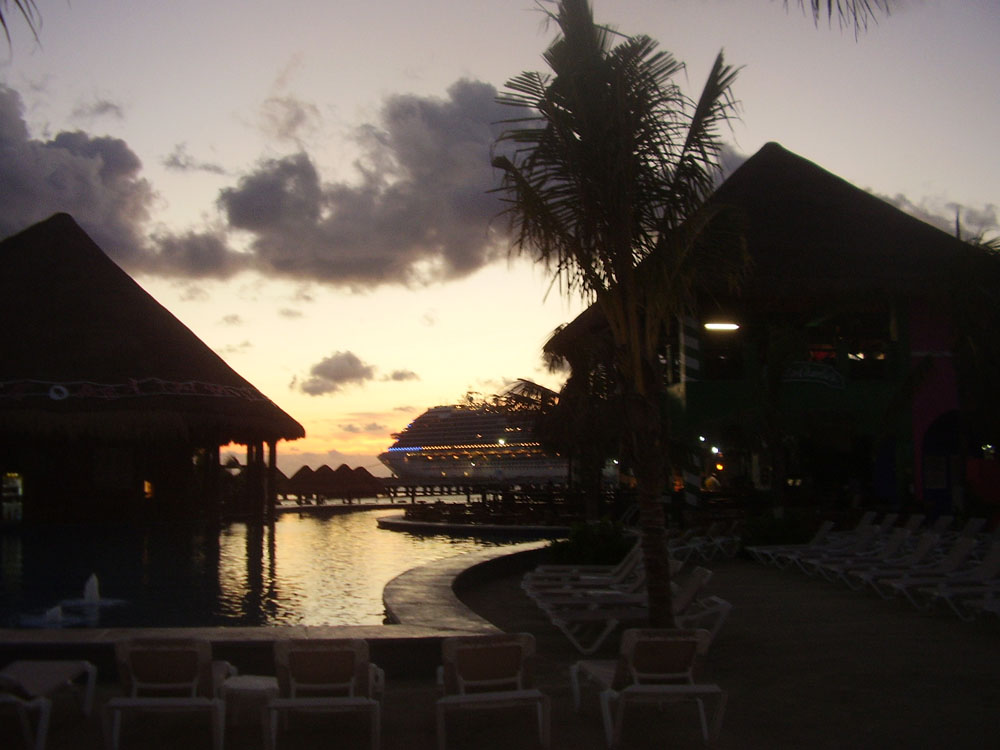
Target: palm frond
(854,13)
(29,12)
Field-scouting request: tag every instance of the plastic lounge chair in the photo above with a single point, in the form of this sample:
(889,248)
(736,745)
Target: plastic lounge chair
(586,598)
(866,539)
(835,567)
(655,666)
(951,562)
(701,546)
(913,522)
(867,519)
(729,542)
(554,572)
(489,672)
(29,686)
(983,605)
(941,524)
(863,575)
(707,613)
(325,675)
(917,588)
(174,675)
(765,554)
(623,577)
(957,597)
(588,624)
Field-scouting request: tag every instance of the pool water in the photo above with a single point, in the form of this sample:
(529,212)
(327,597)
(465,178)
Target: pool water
(306,570)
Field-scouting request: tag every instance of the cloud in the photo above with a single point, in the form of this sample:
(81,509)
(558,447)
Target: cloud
(289,118)
(193,254)
(232,320)
(336,371)
(96,179)
(287,312)
(98,108)
(243,346)
(401,375)
(942,214)
(420,211)
(180,160)
(355,429)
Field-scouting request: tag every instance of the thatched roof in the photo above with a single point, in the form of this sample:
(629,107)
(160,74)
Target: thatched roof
(812,235)
(814,238)
(88,353)
(342,482)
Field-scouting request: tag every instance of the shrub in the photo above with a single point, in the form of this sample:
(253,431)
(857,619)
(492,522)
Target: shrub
(600,543)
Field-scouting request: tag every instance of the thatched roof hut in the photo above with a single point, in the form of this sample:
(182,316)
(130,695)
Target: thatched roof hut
(88,353)
(89,358)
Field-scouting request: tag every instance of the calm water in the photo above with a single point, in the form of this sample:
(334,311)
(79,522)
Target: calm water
(310,571)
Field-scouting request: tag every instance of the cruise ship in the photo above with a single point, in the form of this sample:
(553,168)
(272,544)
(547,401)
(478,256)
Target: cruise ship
(489,442)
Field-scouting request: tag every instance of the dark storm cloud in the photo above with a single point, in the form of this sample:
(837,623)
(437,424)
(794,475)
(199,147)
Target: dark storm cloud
(180,160)
(336,371)
(420,211)
(96,179)
(194,254)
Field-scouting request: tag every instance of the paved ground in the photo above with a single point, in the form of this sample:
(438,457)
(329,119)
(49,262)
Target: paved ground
(807,665)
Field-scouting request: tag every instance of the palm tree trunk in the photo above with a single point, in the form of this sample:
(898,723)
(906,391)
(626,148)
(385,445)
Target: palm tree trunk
(648,459)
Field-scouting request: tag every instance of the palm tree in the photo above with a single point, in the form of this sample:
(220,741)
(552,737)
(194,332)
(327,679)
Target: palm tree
(607,183)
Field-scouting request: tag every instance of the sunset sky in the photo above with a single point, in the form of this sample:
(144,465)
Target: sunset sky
(305,184)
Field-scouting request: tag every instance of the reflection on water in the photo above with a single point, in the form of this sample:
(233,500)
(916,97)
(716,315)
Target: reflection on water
(306,570)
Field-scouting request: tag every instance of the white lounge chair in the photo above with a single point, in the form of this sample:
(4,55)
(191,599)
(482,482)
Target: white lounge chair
(918,588)
(28,685)
(175,675)
(858,578)
(489,672)
(325,675)
(864,540)
(588,623)
(834,567)
(655,666)
(562,573)
(951,562)
(627,577)
(766,553)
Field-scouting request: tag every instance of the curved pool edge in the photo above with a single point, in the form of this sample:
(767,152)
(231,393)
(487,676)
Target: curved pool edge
(401,523)
(426,596)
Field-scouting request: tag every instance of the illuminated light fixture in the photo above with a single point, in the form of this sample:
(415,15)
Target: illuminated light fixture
(501,441)
(722,326)
(701,438)
(719,467)
(715,450)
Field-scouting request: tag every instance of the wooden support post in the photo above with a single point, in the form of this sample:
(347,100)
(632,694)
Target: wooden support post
(271,493)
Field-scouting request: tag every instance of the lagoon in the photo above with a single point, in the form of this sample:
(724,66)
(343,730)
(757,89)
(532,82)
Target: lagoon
(305,570)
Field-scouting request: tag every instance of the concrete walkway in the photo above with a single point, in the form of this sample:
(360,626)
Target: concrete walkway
(806,664)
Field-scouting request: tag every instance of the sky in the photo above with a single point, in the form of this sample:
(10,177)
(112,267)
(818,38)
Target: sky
(307,185)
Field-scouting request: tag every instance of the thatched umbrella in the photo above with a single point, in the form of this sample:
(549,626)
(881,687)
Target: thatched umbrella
(367,484)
